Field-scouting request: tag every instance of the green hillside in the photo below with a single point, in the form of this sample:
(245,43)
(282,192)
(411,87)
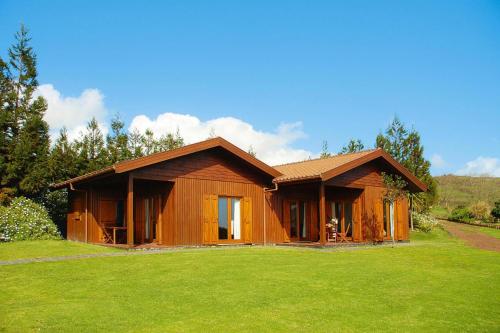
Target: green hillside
(463,190)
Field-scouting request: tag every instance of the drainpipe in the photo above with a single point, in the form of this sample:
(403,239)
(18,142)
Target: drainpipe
(266,189)
(86,210)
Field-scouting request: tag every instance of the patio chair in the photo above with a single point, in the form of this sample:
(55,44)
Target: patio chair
(343,235)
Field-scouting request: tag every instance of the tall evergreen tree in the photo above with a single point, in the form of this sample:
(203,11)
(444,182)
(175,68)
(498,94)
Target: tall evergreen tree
(92,154)
(135,144)
(405,146)
(352,146)
(5,117)
(25,139)
(324,150)
(62,159)
(117,142)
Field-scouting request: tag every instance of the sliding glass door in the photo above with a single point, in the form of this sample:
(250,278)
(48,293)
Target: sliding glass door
(298,228)
(229,219)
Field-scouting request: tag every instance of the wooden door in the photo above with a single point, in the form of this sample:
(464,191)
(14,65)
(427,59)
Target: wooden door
(76,218)
(247,219)
(210,229)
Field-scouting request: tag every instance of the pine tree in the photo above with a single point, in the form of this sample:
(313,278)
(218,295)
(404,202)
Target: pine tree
(406,148)
(252,151)
(352,146)
(117,142)
(149,143)
(92,154)
(25,139)
(324,150)
(5,117)
(135,144)
(62,159)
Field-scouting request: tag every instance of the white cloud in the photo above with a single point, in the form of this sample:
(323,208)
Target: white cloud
(437,161)
(481,166)
(72,112)
(271,147)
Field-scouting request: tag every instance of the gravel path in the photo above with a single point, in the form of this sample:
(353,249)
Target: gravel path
(475,239)
(79,256)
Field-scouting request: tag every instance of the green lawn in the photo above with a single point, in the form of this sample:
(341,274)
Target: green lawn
(434,284)
(51,248)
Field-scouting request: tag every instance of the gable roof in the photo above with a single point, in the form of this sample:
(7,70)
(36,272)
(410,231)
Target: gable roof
(323,169)
(130,165)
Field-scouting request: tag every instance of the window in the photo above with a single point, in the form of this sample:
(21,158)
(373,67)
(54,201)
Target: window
(229,218)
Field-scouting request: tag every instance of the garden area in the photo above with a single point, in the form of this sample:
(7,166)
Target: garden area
(434,283)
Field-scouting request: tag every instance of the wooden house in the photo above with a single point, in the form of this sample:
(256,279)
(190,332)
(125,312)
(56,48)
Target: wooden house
(212,192)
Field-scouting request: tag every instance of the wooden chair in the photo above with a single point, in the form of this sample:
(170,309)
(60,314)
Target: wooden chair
(331,232)
(343,235)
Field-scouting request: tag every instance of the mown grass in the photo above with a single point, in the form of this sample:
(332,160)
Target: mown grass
(434,284)
(47,248)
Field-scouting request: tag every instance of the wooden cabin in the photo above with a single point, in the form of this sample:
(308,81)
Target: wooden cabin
(212,192)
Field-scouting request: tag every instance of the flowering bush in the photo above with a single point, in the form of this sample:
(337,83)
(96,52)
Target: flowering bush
(424,222)
(24,219)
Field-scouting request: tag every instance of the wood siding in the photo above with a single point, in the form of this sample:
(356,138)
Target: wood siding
(365,175)
(187,188)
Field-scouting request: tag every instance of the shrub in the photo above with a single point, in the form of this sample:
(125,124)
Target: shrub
(424,222)
(461,214)
(495,212)
(480,210)
(26,220)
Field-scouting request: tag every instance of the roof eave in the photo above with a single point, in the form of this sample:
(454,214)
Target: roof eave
(88,176)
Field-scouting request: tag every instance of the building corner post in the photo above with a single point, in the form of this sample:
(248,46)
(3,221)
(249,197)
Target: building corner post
(130,210)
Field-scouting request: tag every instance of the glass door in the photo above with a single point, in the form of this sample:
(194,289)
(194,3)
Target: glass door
(229,219)
(298,228)
(151,212)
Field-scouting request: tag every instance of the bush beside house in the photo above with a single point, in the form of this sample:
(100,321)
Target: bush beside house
(24,219)
(424,222)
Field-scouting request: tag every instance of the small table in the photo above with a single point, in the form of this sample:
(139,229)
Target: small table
(114,231)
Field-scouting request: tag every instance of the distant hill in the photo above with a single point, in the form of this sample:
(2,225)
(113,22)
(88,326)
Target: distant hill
(464,190)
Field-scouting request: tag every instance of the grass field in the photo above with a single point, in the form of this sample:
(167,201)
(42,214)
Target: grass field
(434,284)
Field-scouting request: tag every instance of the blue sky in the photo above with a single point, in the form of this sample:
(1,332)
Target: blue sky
(289,74)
